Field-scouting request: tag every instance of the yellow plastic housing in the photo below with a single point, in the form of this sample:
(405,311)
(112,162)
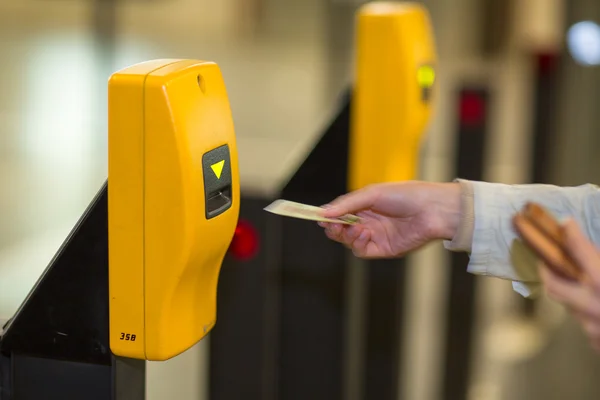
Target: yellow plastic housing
(393,92)
(165,254)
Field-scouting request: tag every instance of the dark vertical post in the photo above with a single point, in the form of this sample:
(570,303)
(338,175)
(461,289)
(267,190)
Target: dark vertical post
(104,31)
(545,89)
(340,43)
(472,132)
(104,26)
(544,110)
(386,282)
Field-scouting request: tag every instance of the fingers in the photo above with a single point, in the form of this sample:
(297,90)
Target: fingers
(355,237)
(591,328)
(583,251)
(580,298)
(350,234)
(344,234)
(361,243)
(333,231)
(351,203)
(339,232)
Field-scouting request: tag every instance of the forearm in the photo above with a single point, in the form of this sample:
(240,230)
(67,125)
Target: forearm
(486,232)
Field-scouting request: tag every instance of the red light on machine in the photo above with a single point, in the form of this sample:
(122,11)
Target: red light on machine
(472,108)
(245,243)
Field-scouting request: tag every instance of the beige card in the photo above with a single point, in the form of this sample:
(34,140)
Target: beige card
(305,211)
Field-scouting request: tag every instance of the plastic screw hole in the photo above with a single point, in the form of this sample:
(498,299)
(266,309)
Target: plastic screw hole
(201,84)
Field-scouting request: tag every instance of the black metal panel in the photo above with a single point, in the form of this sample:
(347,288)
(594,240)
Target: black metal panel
(65,316)
(33,377)
(57,344)
(280,312)
(313,313)
(384,315)
(313,275)
(461,302)
(324,174)
(314,282)
(5,378)
(294,295)
(238,350)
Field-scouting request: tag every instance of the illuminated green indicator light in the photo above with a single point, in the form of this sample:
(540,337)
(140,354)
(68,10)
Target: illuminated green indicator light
(426,76)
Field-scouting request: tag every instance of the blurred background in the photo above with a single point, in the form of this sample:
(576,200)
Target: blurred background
(533,66)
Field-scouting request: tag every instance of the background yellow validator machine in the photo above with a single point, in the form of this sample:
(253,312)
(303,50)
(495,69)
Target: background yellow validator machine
(393,92)
(173,204)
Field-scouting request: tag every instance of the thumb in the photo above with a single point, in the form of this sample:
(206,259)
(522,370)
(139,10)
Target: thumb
(351,203)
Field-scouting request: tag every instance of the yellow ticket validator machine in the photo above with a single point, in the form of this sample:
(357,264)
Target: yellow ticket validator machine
(173,204)
(393,93)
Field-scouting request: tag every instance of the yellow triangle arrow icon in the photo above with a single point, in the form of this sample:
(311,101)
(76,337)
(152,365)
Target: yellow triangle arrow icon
(218,168)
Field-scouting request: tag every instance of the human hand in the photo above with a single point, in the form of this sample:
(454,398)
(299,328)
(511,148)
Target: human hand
(582,297)
(395,217)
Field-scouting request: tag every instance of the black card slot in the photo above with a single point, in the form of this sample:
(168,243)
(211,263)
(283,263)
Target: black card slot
(218,201)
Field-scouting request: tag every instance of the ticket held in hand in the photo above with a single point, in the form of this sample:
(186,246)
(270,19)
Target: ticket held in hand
(304,211)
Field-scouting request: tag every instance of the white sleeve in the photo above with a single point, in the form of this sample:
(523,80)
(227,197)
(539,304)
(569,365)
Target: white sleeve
(495,250)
